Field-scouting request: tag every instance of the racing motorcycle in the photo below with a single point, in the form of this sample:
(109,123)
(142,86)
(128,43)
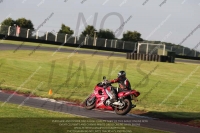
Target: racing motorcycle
(100,99)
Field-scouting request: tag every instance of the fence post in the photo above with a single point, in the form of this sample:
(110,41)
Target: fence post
(123,44)
(147,49)
(111,43)
(138,48)
(56,37)
(164,50)
(115,43)
(183,51)
(27,34)
(75,40)
(9,30)
(105,42)
(96,41)
(135,48)
(46,35)
(65,38)
(85,40)
(37,34)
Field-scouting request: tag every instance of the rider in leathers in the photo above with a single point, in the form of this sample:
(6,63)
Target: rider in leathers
(123,82)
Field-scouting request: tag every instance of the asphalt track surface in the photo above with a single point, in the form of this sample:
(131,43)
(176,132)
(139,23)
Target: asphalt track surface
(15,48)
(78,110)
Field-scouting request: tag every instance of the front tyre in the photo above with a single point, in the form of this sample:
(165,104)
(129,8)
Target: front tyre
(90,103)
(123,110)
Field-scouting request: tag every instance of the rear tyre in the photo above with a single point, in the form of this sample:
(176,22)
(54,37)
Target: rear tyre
(90,103)
(127,107)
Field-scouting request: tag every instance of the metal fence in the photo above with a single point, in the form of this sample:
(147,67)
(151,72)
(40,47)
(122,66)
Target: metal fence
(66,38)
(86,40)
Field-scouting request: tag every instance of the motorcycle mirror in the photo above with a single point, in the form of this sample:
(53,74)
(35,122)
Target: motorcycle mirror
(104,77)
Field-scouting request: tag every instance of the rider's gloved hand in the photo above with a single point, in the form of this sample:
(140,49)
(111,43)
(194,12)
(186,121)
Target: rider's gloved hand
(103,83)
(108,82)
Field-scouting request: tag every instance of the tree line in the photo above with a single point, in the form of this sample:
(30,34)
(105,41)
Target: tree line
(89,30)
(131,36)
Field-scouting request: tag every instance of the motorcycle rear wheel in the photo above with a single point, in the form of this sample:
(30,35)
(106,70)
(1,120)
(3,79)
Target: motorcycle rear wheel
(90,103)
(127,107)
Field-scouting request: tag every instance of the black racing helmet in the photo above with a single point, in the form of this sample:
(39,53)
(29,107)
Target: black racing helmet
(121,74)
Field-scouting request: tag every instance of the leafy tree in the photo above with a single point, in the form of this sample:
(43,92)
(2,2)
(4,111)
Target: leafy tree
(107,34)
(89,30)
(65,29)
(8,22)
(21,22)
(132,36)
(5,24)
(24,23)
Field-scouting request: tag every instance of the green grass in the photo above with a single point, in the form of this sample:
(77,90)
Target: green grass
(9,110)
(16,68)
(28,119)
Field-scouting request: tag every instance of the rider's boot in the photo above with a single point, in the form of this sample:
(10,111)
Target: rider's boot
(114,99)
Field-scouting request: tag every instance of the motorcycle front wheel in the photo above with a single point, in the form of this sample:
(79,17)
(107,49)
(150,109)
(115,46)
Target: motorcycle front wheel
(90,103)
(125,109)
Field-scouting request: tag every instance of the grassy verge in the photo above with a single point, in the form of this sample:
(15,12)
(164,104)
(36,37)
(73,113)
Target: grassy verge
(27,119)
(15,111)
(74,79)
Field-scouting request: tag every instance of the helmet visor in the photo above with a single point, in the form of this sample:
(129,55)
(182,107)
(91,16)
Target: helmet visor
(119,74)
